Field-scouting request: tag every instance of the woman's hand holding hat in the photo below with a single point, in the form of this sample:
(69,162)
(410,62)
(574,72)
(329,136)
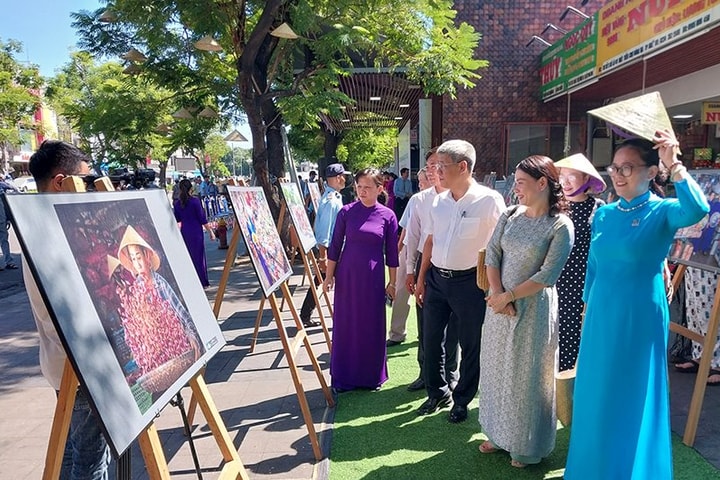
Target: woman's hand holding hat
(667,146)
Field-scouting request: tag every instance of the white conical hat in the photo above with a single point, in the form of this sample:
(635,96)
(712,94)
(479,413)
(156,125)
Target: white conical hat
(131,237)
(643,115)
(112,264)
(579,162)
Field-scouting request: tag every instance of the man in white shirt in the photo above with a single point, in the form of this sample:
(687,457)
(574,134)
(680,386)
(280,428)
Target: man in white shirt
(87,454)
(401,307)
(461,222)
(330,204)
(415,239)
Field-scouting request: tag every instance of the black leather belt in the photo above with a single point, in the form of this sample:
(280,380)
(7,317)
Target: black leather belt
(454,273)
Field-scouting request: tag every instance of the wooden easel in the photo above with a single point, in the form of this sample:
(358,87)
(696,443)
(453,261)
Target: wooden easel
(291,346)
(149,440)
(708,343)
(310,265)
(307,258)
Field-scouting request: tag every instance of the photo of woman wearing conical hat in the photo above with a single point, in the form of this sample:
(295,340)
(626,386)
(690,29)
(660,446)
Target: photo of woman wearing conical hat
(146,320)
(158,327)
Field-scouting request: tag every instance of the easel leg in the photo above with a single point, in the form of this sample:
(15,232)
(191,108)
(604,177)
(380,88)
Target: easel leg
(152,452)
(313,288)
(229,262)
(261,308)
(300,391)
(178,402)
(702,373)
(233,466)
(308,347)
(316,268)
(678,277)
(61,423)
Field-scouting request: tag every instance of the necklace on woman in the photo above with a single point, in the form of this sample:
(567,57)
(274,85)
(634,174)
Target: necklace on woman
(639,205)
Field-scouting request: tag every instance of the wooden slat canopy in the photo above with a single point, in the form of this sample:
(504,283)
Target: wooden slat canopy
(382,99)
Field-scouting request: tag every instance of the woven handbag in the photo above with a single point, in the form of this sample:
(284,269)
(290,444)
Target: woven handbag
(482,278)
(564,386)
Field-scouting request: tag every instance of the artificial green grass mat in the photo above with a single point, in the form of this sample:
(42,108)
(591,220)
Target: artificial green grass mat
(378,435)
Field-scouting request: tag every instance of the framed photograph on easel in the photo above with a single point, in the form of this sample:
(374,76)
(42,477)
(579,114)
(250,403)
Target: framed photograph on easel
(261,237)
(699,245)
(123,296)
(298,215)
(315,194)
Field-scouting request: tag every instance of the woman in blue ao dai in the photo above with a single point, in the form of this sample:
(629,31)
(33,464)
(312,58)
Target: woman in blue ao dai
(621,414)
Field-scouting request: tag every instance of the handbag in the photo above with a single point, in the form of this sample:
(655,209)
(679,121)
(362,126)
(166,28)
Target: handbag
(564,389)
(564,386)
(482,279)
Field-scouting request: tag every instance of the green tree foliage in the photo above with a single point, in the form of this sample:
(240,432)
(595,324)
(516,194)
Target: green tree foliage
(271,79)
(217,149)
(368,147)
(238,161)
(359,148)
(19,96)
(123,118)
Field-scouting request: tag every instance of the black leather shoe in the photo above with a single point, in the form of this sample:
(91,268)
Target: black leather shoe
(458,414)
(418,384)
(309,322)
(432,405)
(392,343)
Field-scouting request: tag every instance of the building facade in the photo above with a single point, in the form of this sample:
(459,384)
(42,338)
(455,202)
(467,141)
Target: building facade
(669,46)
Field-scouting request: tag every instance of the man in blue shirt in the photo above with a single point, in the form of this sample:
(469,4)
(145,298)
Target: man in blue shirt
(402,188)
(330,205)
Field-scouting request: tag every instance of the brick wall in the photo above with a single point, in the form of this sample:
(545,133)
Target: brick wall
(509,88)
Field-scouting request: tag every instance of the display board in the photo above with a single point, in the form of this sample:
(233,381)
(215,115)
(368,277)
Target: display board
(298,215)
(315,195)
(124,298)
(697,245)
(261,236)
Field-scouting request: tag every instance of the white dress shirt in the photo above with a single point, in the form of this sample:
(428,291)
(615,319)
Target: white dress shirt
(460,228)
(52,353)
(415,235)
(407,216)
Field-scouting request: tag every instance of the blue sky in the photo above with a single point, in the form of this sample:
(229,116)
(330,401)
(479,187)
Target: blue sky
(43,27)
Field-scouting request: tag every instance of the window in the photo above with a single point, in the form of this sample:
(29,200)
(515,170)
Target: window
(525,139)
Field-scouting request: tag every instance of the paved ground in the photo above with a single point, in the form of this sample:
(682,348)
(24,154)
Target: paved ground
(254,393)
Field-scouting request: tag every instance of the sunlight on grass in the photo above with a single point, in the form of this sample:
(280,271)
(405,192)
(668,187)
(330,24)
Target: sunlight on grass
(555,473)
(379,436)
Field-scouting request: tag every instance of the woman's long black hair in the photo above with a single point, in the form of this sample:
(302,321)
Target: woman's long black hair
(185,186)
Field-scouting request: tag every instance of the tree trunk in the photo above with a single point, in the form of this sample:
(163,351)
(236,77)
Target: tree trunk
(330,146)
